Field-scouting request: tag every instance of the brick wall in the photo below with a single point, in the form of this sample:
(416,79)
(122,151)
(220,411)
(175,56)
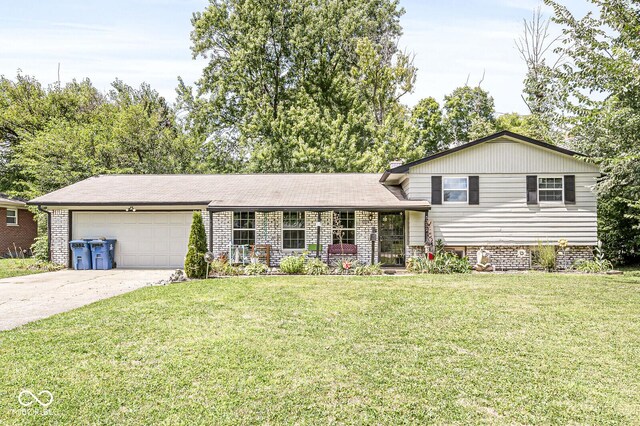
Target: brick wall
(205,220)
(363,233)
(508,257)
(221,232)
(22,235)
(60,237)
(269,231)
(326,231)
(504,257)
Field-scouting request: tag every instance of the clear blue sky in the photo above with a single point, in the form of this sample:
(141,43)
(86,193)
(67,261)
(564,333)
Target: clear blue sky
(148,40)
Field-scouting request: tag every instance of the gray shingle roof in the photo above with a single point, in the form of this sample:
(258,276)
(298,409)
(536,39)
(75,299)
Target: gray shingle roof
(239,191)
(6,200)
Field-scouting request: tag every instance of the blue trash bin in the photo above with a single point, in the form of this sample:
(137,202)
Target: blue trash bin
(102,253)
(81,253)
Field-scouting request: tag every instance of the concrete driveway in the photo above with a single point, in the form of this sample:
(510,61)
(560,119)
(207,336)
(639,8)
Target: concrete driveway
(33,297)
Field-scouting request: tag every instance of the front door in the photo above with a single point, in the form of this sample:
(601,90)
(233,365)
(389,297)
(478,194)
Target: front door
(391,236)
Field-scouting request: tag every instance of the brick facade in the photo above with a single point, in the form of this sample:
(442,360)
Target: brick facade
(221,232)
(269,231)
(268,228)
(60,237)
(506,258)
(22,236)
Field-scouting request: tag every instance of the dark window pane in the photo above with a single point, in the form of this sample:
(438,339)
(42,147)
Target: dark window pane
(455,195)
(550,195)
(244,220)
(293,220)
(293,239)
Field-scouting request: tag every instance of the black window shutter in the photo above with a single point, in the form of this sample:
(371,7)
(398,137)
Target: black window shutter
(532,189)
(474,189)
(570,189)
(436,189)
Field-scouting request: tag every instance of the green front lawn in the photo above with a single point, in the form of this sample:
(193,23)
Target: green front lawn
(506,349)
(16,267)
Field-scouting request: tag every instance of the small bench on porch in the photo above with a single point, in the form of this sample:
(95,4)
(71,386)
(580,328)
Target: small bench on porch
(340,250)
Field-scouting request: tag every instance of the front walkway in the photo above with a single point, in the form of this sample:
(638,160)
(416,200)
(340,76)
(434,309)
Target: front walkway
(33,297)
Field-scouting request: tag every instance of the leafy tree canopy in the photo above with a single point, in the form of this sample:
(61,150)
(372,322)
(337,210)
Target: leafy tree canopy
(306,85)
(58,135)
(599,87)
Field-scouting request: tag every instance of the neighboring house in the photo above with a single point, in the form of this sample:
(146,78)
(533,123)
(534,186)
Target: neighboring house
(505,192)
(17,226)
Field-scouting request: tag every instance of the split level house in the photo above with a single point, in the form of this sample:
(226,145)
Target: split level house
(504,192)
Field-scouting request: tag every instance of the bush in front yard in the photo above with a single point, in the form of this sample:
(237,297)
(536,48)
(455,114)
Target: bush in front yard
(545,257)
(256,268)
(373,269)
(40,248)
(316,267)
(292,265)
(442,263)
(194,264)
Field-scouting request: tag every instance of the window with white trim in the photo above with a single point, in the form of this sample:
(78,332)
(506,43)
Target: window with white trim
(550,189)
(12,217)
(244,228)
(346,221)
(293,230)
(455,189)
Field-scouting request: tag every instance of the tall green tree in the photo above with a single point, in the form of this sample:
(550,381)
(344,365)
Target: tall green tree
(528,125)
(469,114)
(599,92)
(27,108)
(58,135)
(305,85)
(430,132)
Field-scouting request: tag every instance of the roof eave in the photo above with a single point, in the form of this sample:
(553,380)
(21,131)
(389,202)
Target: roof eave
(35,202)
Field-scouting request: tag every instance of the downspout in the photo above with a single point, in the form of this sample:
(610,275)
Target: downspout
(48,230)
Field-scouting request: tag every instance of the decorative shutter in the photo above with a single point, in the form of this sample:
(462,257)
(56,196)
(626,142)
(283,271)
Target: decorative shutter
(474,189)
(532,189)
(570,189)
(436,189)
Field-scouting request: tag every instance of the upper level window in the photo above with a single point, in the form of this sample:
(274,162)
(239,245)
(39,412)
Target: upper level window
(244,228)
(550,189)
(293,227)
(455,189)
(344,227)
(12,217)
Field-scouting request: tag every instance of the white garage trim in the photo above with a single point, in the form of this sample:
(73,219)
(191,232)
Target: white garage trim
(145,239)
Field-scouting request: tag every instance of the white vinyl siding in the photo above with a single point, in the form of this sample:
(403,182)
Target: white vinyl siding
(416,228)
(503,216)
(504,156)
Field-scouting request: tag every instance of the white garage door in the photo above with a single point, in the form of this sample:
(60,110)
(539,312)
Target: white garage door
(145,240)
